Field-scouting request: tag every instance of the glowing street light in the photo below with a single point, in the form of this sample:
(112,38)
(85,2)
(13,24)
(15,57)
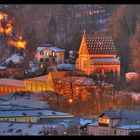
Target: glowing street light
(65,133)
(70,100)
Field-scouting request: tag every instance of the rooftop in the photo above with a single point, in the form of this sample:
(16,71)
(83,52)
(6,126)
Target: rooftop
(33,113)
(11,82)
(106,60)
(14,107)
(122,114)
(15,128)
(100,43)
(40,78)
(55,49)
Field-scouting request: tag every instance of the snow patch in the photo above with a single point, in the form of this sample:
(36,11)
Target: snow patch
(16,58)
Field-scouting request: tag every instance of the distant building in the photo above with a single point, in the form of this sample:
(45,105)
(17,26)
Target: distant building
(47,52)
(10,85)
(116,122)
(130,76)
(46,82)
(30,115)
(97,54)
(72,56)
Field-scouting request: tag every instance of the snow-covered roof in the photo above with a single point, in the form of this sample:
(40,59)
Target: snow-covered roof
(8,96)
(11,82)
(110,60)
(13,107)
(16,58)
(95,123)
(15,128)
(2,68)
(55,49)
(66,67)
(39,49)
(135,126)
(33,113)
(29,103)
(133,114)
(131,73)
(85,121)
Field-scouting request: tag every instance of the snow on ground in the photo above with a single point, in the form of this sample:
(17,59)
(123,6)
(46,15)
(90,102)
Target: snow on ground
(16,58)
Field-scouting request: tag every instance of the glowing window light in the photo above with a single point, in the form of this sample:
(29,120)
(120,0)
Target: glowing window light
(103,121)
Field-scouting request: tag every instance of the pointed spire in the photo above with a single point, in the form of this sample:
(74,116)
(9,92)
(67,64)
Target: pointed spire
(84,32)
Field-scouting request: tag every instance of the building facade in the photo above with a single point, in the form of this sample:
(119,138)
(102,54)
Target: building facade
(10,85)
(116,122)
(97,54)
(31,115)
(47,52)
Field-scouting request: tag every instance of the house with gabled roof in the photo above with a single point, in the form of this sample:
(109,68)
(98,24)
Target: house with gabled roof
(116,122)
(49,52)
(97,54)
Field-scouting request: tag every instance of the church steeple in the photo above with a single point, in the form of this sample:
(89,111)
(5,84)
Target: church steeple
(84,33)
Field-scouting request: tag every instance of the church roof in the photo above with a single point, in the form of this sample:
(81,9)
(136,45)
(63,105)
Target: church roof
(100,43)
(106,60)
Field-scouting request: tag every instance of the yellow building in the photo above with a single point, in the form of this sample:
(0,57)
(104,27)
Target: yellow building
(10,85)
(97,54)
(43,83)
(36,84)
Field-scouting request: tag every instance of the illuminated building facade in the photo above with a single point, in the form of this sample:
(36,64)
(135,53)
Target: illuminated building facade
(10,85)
(47,52)
(115,123)
(97,55)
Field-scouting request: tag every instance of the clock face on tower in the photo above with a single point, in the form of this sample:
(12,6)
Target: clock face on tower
(85,64)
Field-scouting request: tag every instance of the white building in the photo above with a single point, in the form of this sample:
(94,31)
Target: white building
(47,52)
(116,122)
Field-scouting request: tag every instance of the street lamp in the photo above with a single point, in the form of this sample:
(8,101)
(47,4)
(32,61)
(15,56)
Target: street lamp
(70,100)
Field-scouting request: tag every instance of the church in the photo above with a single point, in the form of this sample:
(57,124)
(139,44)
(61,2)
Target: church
(97,54)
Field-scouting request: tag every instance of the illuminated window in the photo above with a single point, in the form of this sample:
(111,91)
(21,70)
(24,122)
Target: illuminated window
(103,121)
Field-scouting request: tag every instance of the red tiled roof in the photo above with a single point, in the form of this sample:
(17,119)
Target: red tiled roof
(100,43)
